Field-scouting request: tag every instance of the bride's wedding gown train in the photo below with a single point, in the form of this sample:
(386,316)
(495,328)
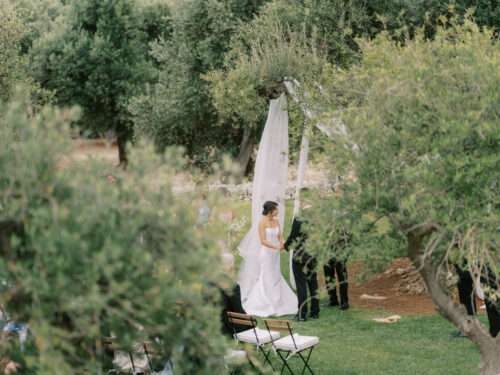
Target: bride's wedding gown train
(271,295)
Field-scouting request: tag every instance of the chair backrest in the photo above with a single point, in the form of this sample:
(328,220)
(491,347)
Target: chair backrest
(280,326)
(241,319)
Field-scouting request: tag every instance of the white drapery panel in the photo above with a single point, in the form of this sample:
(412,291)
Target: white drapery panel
(269,184)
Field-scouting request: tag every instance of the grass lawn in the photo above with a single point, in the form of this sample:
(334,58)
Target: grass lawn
(352,344)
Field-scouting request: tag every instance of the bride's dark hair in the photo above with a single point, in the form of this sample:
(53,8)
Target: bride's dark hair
(269,207)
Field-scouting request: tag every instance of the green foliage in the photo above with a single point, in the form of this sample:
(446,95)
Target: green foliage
(242,92)
(425,119)
(330,24)
(95,56)
(411,14)
(178,109)
(156,19)
(37,16)
(96,258)
(12,63)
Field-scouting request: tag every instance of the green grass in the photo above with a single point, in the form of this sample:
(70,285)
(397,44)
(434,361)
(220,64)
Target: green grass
(352,344)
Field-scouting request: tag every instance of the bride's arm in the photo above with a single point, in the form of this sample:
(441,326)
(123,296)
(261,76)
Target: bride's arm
(282,241)
(262,235)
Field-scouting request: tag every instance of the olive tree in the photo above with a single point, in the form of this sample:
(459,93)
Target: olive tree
(95,55)
(178,109)
(85,258)
(422,152)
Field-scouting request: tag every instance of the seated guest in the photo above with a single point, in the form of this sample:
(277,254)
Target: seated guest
(231,302)
(336,268)
(304,270)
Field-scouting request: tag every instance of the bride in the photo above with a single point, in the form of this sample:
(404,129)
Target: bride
(270,295)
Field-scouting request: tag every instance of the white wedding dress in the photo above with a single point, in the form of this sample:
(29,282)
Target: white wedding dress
(271,295)
(264,292)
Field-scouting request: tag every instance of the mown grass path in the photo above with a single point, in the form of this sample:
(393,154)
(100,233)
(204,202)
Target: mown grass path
(352,344)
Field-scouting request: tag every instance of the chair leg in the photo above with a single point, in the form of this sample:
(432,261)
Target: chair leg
(266,356)
(306,361)
(252,365)
(285,362)
(148,358)
(132,362)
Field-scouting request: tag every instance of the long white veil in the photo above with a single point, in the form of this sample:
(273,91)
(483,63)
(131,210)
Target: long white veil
(269,184)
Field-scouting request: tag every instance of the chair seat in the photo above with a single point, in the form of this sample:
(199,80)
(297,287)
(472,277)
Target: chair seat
(302,342)
(264,336)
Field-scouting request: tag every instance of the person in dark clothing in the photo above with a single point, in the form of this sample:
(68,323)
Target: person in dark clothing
(467,296)
(493,311)
(231,301)
(304,271)
(336,270)
(465,287)
(492,306)
(466,293)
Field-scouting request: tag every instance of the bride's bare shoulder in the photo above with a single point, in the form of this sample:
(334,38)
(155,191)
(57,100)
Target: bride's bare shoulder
(264,222)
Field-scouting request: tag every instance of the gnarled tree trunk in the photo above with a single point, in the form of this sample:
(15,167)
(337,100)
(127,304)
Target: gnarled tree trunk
(246,148)
(121,141)
(490,359)
(455,313)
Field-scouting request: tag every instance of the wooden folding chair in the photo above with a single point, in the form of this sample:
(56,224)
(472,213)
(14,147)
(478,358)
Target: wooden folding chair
(253,335)
(291,345)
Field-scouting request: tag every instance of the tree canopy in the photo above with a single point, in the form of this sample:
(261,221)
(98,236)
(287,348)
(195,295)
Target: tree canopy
(424,116)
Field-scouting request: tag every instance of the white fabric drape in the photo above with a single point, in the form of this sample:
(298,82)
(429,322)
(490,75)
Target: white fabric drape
(269,184)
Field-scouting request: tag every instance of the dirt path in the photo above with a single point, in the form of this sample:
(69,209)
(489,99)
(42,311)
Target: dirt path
(393,284)
(99,149)
(386,286)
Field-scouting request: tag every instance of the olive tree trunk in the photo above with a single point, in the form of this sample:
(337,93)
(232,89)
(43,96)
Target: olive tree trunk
(121,141)
(489,347)
(246,148)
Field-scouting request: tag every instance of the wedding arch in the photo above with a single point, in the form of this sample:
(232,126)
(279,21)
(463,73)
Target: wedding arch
(271,174)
